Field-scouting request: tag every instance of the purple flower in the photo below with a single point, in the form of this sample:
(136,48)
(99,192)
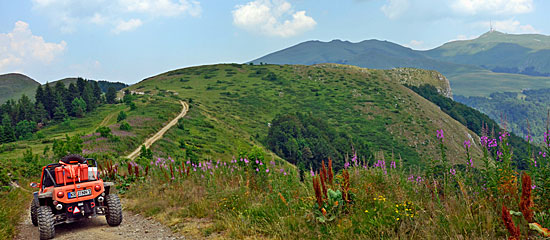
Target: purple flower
(440,135)
(484,140)
(392,164)
(312,173)
(533,187)
(471,163)
(257,170)
(267,170)
(452,171)
(282,170)
(492,143)
(467,144)
(346,165)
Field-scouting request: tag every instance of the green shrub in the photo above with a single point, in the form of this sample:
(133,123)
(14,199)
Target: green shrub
(104,131)
(125,126)
(121,116)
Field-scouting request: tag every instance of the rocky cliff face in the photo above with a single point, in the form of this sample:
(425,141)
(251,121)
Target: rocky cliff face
(418,77)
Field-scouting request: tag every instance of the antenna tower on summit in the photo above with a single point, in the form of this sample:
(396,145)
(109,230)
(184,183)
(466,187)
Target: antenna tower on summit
(491,29)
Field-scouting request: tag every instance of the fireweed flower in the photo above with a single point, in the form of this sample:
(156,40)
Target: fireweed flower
(452,171)
(392,164)
(484,141)
(471,163)
(440,135)
(267,170)
(312,173)
(492,143)
(533,187)
(467,144)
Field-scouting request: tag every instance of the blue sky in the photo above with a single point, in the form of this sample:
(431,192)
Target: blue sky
(129,40)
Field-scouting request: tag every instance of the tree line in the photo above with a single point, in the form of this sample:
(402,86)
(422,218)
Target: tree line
(21,118)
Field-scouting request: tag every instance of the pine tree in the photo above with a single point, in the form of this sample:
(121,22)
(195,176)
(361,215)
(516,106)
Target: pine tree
(39,96)
(40,114)
(79,107)
(72,92)
(62,91)
(8,134)
(97,91)
(49,100)
(60,112)
(80,84)
(25,108)
(111,95)
(88,96)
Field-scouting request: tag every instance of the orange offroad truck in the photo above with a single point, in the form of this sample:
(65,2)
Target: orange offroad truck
(69,191)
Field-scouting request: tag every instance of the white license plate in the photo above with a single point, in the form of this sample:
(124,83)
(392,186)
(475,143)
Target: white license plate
(81,193)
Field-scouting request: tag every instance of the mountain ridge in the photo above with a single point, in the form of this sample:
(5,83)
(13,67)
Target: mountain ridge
(472,69)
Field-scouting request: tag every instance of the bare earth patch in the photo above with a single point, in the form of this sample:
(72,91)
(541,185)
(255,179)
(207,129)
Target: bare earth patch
(134,226)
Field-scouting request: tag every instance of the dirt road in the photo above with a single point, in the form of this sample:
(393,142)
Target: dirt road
(160,133)
(132,227)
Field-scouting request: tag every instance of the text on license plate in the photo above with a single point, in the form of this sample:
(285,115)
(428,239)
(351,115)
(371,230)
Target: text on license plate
(81,193)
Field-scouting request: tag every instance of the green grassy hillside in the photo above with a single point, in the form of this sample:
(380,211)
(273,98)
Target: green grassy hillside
(240,101)
(196,183)
(13,85)
(471,66)
(510,53)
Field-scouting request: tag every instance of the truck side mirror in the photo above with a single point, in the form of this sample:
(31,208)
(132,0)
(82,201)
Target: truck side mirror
(33,185)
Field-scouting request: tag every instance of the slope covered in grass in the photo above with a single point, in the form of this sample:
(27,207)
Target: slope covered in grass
(240,101)
(13,85)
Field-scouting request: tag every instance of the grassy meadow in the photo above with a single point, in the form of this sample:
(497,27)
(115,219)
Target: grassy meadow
(214,176)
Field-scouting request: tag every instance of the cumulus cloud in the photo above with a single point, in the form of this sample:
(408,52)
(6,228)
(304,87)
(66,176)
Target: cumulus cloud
(505,7)
(395,8)
(20,47)
(166,8)
(131,24)
(415,44)
(274,18)
(68,15)
(510,26)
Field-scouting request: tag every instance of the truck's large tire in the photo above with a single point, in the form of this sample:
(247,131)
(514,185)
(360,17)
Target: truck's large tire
(46,222)
(73,158)
(34,212)
(114,210)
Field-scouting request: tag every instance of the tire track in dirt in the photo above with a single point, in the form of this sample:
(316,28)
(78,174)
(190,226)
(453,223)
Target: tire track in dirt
(148,142)
(133,226)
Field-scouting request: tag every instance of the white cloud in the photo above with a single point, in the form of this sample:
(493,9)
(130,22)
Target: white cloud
(510,26)
(163,7)
(415,44)
(499,7)
(20,48)
(395,8)
(69,15)
(275,18)
(129,25)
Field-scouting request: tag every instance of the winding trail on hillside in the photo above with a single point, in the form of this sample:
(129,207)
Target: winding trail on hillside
(148,142)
